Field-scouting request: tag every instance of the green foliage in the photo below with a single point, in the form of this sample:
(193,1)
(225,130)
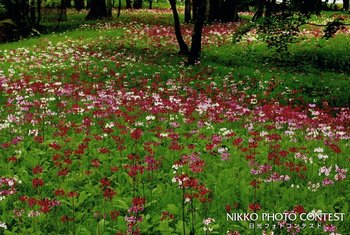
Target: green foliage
(279,31)
(333,27)
(2,10)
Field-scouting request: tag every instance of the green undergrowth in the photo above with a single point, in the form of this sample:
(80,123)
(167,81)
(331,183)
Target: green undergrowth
(316,69)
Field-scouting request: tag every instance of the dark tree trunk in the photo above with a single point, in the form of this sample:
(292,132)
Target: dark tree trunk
(150,4)
(68,3)
(98,9)
(38,19)
(32,12)
(119,7)
(137,4)
(183,46)
(78,4)
(260,10)
(270,7)
(229,9)
(196,45)
(63,13)
(214,10)
(109,8)
(284,6)
(311,6)
(128,4)
(346,5)
(187,11)
(195,9)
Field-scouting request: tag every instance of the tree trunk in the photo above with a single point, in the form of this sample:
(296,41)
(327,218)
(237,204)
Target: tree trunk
(109,8)
(68,3)
(150,4)
(38,19)
(128,4)
(119,7)
(195,9)
(137,4)
(187,11)
(98,9)
(260,11)
(229,9)
(284,6)
(270,7)
(214,10)
(63,12)
(78,4)
(346,5)
(32,12)
(183,46)
(196,45)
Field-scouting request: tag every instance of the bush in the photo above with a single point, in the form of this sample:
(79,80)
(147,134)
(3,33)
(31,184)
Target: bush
(8,31)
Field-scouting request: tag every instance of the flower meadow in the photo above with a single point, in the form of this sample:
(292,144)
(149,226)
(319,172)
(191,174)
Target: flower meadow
(113,134)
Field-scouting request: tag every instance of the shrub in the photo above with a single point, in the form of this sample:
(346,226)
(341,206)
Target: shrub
(8,31)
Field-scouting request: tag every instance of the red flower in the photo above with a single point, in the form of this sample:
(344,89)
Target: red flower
(32,202)
(237,141)
(298,209)
(114,169)
(95,162)
(23,198)
(55,146)
(12,159)
(136,134)
(254,206)
(72,194)
(114,214)
(228,208)
(255,183)
(209,147)
(63,172)
(37,182)
(105,182)
(59,192)
(104,150)
(109,193)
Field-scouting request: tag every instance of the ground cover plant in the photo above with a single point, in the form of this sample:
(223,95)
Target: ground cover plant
(104,130)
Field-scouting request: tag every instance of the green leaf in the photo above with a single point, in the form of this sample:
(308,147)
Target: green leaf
(83,231)
(172,208)
(120,204)
(82,197)
(2,98)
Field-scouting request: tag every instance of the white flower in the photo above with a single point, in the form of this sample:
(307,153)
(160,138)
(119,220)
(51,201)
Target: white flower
(322,156)
(150,117)
(318,150)
(3,225)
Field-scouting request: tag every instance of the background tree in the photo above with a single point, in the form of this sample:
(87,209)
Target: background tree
(223,10)
(137,4)
(78,4)
(346,5)
(183,46)
(188,7)
(19,12)
(98,9)
(128,4)
(196,41)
